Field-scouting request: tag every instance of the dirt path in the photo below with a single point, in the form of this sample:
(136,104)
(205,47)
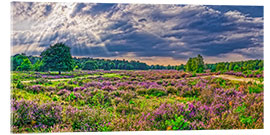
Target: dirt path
(229,77)
(61,79)
(235,78)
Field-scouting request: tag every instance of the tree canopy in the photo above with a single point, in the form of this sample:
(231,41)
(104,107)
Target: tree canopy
(57,58)
(90,65)
(195,64)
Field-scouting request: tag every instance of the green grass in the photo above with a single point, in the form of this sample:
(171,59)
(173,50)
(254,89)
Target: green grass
(113,75)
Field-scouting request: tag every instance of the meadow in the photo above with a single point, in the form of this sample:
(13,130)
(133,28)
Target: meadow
(135,100)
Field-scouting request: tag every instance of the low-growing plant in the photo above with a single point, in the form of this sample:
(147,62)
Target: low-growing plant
(172,90)
(30,113)
(19,85)
(178,123)
(156,92)
(257,88)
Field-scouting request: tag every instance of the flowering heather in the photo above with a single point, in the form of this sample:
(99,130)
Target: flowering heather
(137,101)
(29,115)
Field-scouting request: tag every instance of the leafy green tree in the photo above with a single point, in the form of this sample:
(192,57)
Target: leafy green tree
(57,58)
(90,65)
(17,60)
(220,67)
(26,65)
(231,66)
(195,64)
(38,66)
(200,63)
(236,68)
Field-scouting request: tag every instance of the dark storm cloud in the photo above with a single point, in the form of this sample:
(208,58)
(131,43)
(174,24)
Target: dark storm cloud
(112,30)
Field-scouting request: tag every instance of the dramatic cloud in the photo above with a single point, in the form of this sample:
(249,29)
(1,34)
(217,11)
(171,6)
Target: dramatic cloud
(148,32)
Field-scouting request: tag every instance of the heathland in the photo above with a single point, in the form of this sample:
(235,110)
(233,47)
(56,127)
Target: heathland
(59,93)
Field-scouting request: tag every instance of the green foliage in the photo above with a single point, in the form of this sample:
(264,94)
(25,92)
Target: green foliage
(191,93)
(131,102)
(236,68)
(38,66)
(17,60)
(71,97)
(220,67)
(141,91)
(257,88)
(195,64)
(26,65)
(239,66)
(178,123)
(112,75)
(220,81)
(241,109)
(19,85)
(88,120)
(172,90)
(123,108)
(99,98)
(90,65)
(156,92)
(55,98)
(57,58)
(247,120)
(200,103)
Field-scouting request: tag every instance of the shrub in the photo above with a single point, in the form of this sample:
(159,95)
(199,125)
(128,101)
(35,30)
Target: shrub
(31,114)
(71,97)
(177,123)
(125,108)
(19,85)
(127,95)
(255,89)
(99,97)
(172,90)
(141,91)
(156,92)
(190,93)
(87,119)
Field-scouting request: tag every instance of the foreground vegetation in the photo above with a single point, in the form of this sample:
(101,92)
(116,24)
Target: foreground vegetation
(132,101)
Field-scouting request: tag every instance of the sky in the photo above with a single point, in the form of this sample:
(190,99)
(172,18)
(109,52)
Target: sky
(154,34)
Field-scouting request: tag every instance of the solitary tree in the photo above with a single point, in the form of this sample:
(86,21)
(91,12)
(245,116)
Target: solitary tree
(57,58)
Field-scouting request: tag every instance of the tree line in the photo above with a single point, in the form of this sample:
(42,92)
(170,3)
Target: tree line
(58,58)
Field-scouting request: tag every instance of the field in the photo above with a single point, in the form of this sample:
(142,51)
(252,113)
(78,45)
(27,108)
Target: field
(83,101)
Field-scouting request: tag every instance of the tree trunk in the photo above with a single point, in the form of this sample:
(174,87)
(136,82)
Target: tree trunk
(59,72)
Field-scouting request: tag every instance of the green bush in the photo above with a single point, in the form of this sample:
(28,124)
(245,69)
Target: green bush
(71,97)
(178,123)
(19,85)
(172,90)
(255,89)
(247,120)
(141,91)
(125,109)
(99,98)
(156,92)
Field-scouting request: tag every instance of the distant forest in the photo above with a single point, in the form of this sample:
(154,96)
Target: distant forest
(58,58)
(32,63)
